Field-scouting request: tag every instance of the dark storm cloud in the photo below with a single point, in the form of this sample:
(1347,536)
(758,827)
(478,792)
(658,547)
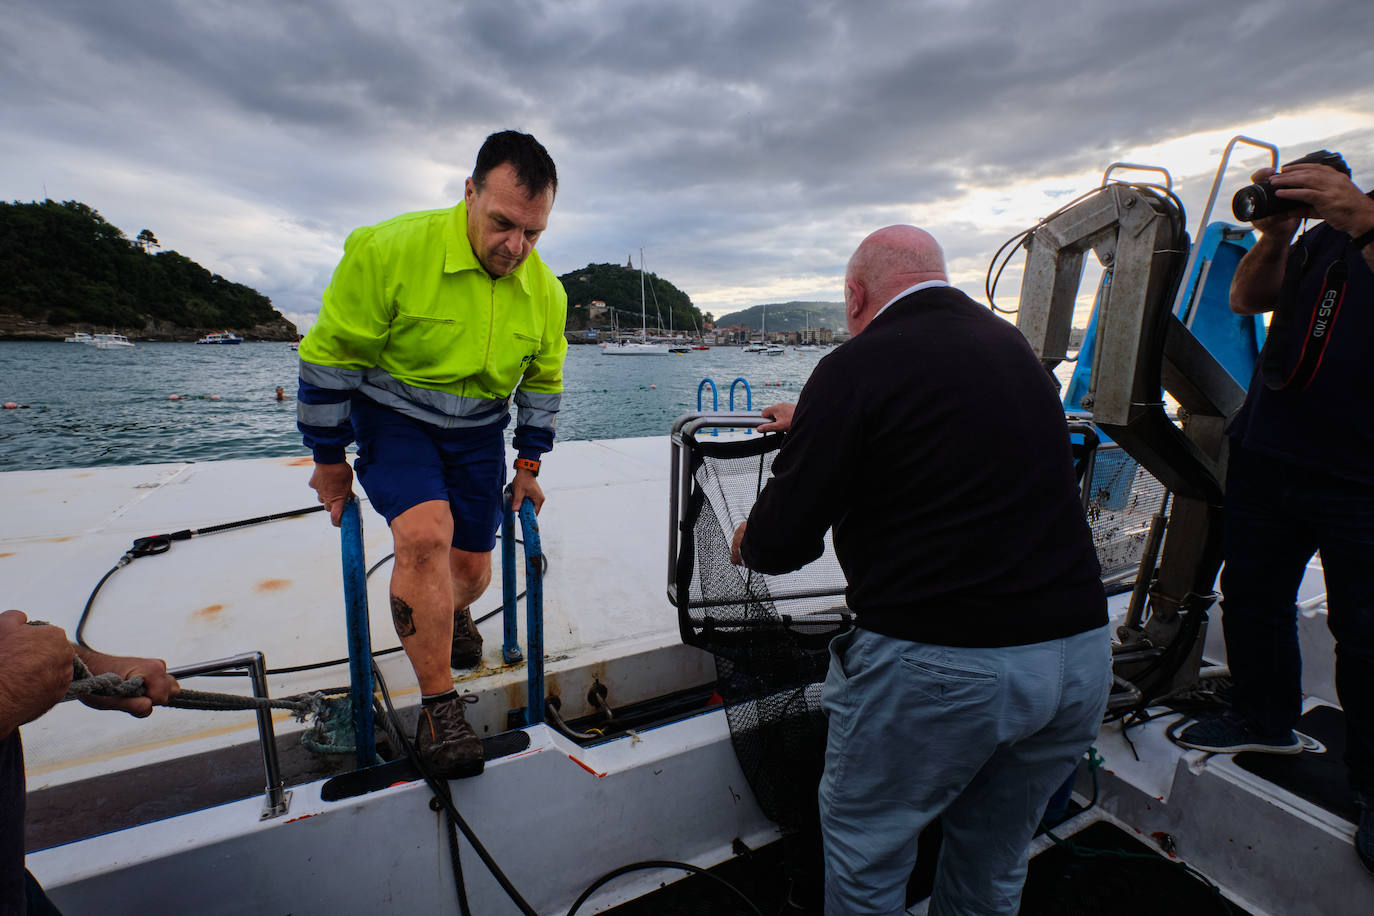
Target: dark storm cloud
(739,142)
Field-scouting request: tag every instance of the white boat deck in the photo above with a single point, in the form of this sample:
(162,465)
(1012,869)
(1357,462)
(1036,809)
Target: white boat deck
(277,587)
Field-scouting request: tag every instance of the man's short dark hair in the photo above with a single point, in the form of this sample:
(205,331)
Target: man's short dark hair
(534,169)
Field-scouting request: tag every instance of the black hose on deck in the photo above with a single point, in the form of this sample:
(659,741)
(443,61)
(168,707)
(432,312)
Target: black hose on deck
(441,792)
(161,543)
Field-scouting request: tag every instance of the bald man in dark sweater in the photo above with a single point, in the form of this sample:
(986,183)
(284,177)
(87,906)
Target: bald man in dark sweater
(934,444)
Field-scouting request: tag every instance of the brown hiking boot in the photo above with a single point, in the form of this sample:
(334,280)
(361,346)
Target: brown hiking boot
(446,742)
(467,642)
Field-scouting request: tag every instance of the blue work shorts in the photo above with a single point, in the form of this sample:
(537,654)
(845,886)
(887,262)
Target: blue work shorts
(403,462)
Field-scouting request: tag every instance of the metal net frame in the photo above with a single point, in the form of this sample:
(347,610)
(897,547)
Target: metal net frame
(769,635)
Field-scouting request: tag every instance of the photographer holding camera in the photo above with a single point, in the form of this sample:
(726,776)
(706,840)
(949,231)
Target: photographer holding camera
(1301,472)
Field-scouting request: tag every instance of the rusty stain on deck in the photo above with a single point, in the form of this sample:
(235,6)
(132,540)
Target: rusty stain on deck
(273,585)
(209,612)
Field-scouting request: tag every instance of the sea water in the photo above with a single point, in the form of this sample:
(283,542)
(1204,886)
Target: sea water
(176,402)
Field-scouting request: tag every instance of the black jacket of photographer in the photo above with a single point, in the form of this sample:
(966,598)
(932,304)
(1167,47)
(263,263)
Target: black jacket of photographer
(1328,425)
(935,445)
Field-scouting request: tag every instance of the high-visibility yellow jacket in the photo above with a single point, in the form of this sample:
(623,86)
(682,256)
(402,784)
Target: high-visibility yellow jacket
(412,321)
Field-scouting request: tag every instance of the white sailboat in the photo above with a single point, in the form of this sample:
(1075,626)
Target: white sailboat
(806,345)
(760,346)
(641,347)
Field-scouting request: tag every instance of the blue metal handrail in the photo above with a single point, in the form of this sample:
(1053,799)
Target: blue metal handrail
(359,633)
(534,603)
(748,398)
(534,613)
(510,644)
(715,398)
(715,395)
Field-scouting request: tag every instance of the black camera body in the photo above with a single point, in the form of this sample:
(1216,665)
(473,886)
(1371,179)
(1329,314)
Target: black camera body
(1258,200)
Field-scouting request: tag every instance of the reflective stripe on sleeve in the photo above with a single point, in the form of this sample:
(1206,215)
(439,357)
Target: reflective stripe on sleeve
(326,415)
(330,377)
(537,409)
(438,408)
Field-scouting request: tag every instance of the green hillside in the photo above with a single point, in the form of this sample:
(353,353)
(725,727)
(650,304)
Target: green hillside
(787,316)
(64,268)
(618,287)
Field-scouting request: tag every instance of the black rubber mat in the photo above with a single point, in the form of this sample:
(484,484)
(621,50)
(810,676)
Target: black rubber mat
(360,782)
(1103,869)
(1319,778)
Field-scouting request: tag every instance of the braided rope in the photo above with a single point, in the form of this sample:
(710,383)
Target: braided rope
(302,706)
(86,684)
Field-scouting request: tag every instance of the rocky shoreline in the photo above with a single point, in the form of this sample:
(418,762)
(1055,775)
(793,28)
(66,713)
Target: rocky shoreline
(17,327)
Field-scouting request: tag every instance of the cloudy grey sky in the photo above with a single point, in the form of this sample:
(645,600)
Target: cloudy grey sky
(745,145)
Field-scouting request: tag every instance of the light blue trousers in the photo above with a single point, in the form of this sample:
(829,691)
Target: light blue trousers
(980,738)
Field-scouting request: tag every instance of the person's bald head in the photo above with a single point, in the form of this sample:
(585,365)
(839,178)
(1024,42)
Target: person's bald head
(887,262)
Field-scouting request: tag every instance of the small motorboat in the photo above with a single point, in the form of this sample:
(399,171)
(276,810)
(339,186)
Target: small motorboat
(221,337)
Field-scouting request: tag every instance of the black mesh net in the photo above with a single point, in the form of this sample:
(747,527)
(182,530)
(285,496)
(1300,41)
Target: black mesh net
(768,633)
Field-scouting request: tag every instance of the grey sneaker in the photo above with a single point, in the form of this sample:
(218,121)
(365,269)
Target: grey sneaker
(446,742)
(467,642)
(1231,734)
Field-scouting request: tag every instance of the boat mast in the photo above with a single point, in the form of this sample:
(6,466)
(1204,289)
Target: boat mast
(643,314)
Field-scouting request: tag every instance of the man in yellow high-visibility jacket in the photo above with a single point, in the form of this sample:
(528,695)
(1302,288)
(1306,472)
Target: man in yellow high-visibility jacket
(432,322)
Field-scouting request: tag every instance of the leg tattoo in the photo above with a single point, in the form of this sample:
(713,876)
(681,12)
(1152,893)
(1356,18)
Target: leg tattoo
(402,617)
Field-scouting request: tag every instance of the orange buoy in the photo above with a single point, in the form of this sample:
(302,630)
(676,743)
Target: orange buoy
(11,405)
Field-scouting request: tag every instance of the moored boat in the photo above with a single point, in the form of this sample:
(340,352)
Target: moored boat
(633,348)
(221,337)
(642,346)
(111,341)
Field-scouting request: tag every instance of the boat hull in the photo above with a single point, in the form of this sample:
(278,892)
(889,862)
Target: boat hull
(554,816)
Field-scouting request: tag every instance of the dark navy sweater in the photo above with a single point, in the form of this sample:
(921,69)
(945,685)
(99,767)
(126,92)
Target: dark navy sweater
(935,445)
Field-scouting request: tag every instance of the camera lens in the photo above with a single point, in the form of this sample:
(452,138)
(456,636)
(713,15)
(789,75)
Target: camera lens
(1249,203)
